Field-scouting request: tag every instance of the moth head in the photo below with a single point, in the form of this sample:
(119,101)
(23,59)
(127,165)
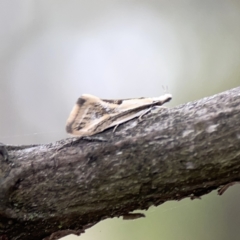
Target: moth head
(163,99)
(168,97)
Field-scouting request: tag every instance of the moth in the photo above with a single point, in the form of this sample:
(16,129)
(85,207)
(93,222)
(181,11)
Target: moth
(91,115)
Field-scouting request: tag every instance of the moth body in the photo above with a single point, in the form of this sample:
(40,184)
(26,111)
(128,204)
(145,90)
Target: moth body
(91,115)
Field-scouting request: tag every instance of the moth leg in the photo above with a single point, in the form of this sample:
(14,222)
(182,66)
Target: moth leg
(115,127)
(4,152)
(140,117)
(150,109)
(156,109)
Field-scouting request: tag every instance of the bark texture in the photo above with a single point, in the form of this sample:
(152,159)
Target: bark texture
(186,151)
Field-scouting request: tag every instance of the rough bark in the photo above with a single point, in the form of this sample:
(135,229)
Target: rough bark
(186,151)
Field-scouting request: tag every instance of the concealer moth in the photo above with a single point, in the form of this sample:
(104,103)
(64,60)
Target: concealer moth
(91,115)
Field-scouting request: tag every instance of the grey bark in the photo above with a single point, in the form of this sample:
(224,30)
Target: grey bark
(186,151)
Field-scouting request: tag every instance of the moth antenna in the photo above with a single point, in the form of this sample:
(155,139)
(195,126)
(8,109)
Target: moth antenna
(165,89)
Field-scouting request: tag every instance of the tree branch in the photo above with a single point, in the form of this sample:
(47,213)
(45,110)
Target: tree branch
(186,151)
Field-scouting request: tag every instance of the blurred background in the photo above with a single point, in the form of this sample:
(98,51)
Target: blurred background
(51,52)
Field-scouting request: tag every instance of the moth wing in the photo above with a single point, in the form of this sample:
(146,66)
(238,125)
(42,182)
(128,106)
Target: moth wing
(87,115)
(136,103)
(132,108)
